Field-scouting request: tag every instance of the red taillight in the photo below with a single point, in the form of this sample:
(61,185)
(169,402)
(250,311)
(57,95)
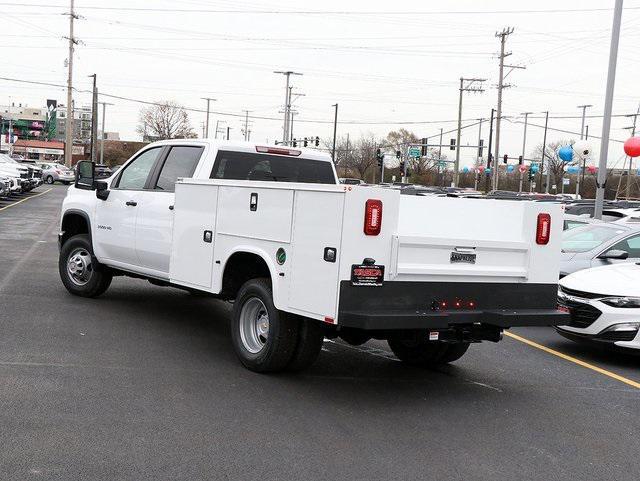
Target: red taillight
(544,229)
(372,217)
(278,150)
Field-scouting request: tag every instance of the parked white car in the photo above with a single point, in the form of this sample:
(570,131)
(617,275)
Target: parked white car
(604,305)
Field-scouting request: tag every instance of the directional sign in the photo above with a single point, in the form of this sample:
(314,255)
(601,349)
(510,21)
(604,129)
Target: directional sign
(414,152)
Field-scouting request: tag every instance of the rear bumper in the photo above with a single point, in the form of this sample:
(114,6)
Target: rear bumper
(419,305)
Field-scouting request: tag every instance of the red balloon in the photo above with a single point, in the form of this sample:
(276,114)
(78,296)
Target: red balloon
(522,169)
(592,169)
(632,147)
(481,168)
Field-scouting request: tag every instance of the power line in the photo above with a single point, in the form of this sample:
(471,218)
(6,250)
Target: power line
(322,12)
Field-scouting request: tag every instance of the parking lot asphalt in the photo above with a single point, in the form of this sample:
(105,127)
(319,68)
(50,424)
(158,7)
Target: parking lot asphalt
(142,384)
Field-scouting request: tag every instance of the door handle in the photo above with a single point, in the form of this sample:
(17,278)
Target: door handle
(170,207)
(131,203)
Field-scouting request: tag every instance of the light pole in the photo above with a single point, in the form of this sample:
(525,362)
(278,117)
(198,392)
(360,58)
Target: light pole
(608,105)
(104,108)
(463,88)
(335,129)
(524,144)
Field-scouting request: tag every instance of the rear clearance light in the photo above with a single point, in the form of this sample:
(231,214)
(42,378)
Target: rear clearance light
(372,217)
(454,304)
(543,231)
(278,151)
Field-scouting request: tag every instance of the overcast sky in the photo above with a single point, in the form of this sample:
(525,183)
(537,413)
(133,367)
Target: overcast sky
(388,65)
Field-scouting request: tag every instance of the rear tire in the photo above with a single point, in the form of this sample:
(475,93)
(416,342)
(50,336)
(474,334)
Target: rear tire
(309,344)
(416,352)
(453,352)
(263,337)
(49,179)
(80,273)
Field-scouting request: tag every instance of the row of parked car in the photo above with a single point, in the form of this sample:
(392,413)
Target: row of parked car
(20,176)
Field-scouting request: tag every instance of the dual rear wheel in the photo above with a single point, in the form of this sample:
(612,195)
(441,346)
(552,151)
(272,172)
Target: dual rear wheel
(267,339)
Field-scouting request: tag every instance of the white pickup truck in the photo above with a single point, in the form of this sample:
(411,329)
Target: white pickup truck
(303,257)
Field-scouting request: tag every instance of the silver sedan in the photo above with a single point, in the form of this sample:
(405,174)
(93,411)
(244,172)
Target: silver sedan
(598,245)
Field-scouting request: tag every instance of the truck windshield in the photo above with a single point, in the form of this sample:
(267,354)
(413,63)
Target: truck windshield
(272,168)
(583,239)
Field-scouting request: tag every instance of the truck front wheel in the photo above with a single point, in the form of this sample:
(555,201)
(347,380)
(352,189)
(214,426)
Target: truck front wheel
(80,273)
(426,353)
(264,338)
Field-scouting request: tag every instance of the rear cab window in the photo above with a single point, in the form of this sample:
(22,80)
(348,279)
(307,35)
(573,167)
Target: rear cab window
(271,168)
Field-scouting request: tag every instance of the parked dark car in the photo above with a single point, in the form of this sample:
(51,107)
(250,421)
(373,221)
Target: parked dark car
(102,171)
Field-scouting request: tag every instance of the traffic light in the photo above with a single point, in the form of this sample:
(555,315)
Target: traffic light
(379,157)
(398,154)
(402,166)
(520,160)
(424,147)
(505,158)
(305,142)
(480,148)
(452,145)
(317,141)
(295,143)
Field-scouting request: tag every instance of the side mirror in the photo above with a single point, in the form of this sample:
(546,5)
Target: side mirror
(102,190)
(614,254)
(85,175)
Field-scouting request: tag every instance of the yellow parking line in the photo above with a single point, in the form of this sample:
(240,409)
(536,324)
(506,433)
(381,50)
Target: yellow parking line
(27,198)
(579,362)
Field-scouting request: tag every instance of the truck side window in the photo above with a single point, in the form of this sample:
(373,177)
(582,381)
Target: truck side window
(135,174)
(274,168)
(181,162)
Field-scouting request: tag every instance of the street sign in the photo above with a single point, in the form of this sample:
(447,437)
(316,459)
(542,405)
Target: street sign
(414,152)
(566,181)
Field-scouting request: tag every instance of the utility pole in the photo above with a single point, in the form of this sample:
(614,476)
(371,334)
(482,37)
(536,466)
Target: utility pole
(501,85)
(287,103)
(632,128)
(228,132)
(475,187)
(466,85)
(104,108)
(208,99)
(68,145)
(489,164)
(584,161)
(217,127)
(94,120)
(544,150)
(524,144)
(335,130)
(608,105)
(439,160)
(246,124)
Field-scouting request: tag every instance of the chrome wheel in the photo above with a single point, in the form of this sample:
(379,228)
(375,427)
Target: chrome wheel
(79,267)
(254,325)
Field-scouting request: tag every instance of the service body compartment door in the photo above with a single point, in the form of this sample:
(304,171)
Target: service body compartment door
(317,228)
(193,235)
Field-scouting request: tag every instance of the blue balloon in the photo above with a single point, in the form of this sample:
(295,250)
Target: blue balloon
(487,170)
(566,153)
(509,168)
(573,169)
(534,168)
(465,169)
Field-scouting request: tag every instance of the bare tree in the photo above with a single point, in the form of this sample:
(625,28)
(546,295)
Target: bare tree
(165,120)
(551,160)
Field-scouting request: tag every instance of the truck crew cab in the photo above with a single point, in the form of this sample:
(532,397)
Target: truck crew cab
(303,257)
